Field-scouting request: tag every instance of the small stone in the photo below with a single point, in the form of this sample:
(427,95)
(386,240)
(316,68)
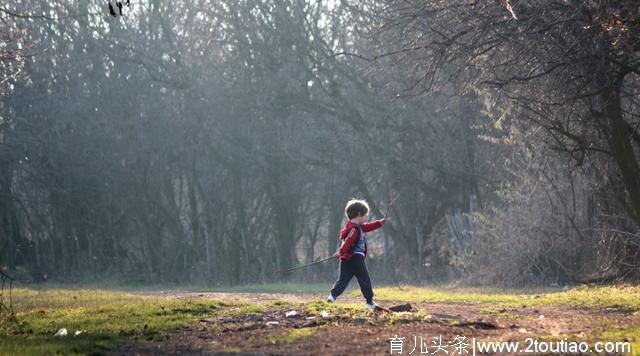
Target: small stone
(61,332)
(291,314)
(401,308)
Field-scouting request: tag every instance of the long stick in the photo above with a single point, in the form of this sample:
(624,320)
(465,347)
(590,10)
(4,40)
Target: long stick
(390,205)
(307,265)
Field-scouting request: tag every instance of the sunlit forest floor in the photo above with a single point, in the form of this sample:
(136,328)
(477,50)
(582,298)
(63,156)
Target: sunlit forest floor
(295,319)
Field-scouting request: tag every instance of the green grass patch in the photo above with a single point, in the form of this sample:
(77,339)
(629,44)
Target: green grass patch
(317,307)
(25,299)
(621,296)
(105,319)
(118,286)
(245,309)
(631,335)
(351,310)
(279,303)
(613,334)
(286,288)
(503,313)
(292,335)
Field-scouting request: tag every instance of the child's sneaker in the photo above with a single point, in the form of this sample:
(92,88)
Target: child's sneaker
(372,305)
(331,299)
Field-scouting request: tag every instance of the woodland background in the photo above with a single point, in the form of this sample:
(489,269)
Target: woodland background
(216,141)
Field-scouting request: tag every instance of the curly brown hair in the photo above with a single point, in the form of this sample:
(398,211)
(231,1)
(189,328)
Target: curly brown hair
(355,208)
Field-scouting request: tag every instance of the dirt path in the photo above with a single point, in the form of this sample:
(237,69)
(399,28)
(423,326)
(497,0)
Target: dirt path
(363,332)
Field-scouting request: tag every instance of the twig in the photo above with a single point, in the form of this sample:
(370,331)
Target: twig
(304,266)
(390,205)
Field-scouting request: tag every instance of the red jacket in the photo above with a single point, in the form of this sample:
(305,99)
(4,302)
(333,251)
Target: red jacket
(349,235)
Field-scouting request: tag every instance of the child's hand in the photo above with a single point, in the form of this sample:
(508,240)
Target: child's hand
(383,221)
(337,254)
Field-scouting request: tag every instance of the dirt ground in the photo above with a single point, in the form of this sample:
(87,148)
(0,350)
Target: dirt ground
(363,332)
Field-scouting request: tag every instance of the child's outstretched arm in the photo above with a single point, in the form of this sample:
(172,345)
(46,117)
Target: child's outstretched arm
(370,226)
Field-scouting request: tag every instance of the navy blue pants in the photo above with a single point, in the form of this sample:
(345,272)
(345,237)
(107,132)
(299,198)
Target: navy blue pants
(354,266)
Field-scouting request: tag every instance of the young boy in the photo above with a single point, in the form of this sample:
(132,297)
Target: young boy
(353,251)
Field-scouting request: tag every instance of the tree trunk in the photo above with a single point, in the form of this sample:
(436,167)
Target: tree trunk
(622,149)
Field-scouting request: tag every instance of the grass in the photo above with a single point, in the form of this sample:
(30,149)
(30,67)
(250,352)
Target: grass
(105,319)
(284,287)
(502,313)
(595,297)
(247,309)
(621,296)
(317,307)
(291,335)
(630,334)
(26,299)
(612,334)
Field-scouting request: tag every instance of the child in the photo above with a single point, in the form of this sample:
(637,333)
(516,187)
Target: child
(353,251)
